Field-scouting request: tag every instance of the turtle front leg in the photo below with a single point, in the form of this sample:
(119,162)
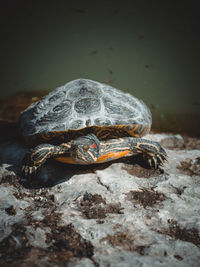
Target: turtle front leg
(152,151)
(37,156)
(129,146)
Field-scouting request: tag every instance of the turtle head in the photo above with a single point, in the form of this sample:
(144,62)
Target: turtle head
(85,149)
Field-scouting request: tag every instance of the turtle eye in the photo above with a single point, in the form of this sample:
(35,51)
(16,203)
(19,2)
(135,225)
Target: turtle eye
(85,148)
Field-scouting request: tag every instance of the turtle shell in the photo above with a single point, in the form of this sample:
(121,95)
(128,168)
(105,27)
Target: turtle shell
(84,106)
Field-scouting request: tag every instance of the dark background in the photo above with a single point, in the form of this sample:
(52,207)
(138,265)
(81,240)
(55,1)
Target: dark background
(149,48)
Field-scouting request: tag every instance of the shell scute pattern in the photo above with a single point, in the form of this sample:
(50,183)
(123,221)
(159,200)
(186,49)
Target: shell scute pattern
(102,122)
(76,124)
(85,103)
(58,112)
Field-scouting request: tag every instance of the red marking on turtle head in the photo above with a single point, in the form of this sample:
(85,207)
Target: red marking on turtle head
(93,146)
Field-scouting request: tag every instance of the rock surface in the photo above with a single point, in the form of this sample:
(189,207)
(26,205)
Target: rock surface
(116,214)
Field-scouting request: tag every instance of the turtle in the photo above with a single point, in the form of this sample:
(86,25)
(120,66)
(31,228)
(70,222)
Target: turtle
(87,122)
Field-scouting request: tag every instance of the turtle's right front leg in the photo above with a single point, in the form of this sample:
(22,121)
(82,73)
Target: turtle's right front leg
(37,156)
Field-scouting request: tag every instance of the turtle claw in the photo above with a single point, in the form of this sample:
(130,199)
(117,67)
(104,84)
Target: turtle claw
(160,159)
(155,163)
(28,169)
(152,162)
(157,160)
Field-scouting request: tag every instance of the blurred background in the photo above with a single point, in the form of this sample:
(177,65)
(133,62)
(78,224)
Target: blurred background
(147,48)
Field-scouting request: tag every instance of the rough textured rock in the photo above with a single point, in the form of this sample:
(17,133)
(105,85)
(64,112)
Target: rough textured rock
(116,214)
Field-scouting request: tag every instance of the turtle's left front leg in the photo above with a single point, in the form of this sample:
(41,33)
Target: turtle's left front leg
(37,156)
(128,146)
(152,151)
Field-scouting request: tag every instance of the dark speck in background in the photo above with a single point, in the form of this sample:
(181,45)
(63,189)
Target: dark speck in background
(115,12)
(148,66)
(93,53)
(80,11)
(110,71)
(141,37)
(111,49)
